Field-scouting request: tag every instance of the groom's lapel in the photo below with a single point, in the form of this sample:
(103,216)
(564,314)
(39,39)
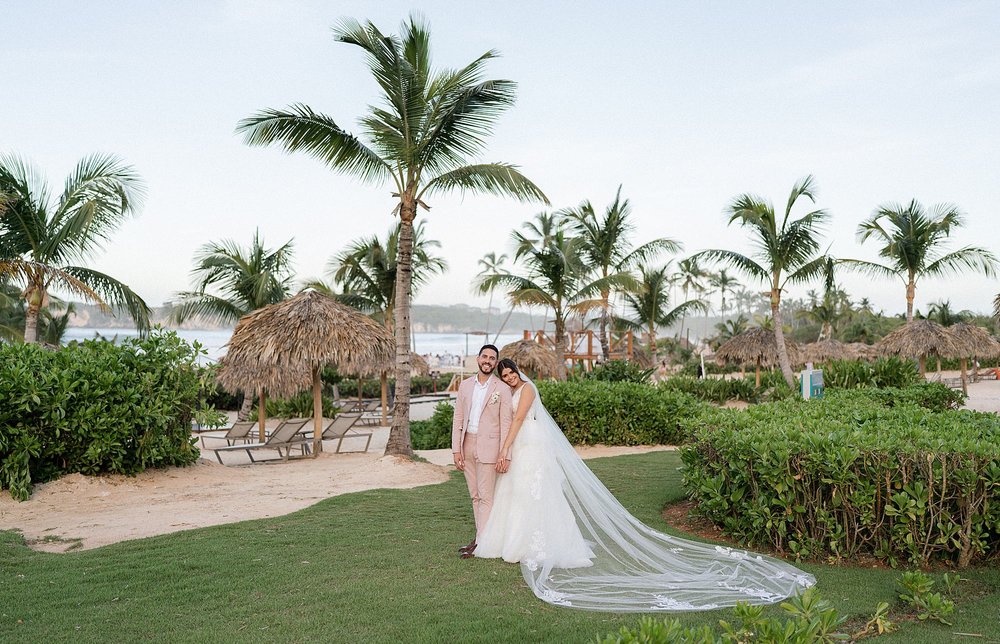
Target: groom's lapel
(489,390)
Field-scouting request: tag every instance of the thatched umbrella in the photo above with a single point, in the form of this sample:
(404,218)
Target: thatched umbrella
(756,346)
(973,342)
(828,349)
(533,356)
(920,338)
(419,365)
(280,348)
(863,351)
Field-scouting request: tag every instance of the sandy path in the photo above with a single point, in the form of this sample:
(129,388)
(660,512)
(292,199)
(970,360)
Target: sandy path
(82,512)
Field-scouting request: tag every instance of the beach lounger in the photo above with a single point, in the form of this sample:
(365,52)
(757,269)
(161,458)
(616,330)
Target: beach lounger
(286,436)
(240,431)
(343,427)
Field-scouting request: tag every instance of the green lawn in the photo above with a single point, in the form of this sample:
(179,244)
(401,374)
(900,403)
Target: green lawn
(371,566)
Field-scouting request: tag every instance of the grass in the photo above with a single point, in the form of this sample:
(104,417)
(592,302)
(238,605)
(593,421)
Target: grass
(372,566)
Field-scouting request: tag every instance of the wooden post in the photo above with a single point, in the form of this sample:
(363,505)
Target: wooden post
(527,334)
(261,412)
(359,389)
(317,411)
(922,365)
(965,382)
(757,377)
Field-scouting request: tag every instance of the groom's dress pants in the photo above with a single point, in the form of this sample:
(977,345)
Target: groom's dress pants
(482,478)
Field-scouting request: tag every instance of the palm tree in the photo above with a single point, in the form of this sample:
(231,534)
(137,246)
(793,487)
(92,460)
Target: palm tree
(942,313)
(785,251)
(366,272)
(490,264)
(42,239)
(913,239)
(606,246)
(690,277)
(650,301)
(230,282)
(419,140)
(731,328)
(723,283)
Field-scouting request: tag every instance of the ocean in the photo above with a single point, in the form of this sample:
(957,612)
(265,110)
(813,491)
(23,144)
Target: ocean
(214,341)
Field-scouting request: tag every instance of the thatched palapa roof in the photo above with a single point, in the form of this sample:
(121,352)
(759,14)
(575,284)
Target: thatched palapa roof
(828,349)
(920,338)
(755,345)
(532,356)
(974,341)
(420,366)
(276,347)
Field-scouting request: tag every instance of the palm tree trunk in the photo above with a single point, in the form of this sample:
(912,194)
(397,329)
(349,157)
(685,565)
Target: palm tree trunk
(31,324)
(245,408)
(561,344)
(779,338)
(399,434)
(652,340)
(911,288)
(384,381)
(605,346)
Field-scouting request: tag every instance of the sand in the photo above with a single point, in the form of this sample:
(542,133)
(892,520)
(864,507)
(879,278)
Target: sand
(81,512)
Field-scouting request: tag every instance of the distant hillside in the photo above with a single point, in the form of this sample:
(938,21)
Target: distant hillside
(426,319)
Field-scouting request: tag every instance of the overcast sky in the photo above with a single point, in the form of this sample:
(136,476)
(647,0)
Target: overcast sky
(686,105)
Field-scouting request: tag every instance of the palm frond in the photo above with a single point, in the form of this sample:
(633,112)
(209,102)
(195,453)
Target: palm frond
(118,295)
(736,260)
(869,268)
(492,178)
(300,129)
(968,258)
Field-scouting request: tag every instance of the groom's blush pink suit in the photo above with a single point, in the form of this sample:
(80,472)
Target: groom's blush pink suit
(481,449)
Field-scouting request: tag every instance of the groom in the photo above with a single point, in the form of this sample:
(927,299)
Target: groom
(483,413)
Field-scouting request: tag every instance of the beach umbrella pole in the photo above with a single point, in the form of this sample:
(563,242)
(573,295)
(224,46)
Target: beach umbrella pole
(965,385)
(317,411)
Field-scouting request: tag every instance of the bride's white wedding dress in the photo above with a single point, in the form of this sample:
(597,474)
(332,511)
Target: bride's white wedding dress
(578,546)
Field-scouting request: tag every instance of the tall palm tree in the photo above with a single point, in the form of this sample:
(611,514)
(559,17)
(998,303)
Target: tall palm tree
(43,240)
(913,240)
(723,283)
(942,313)
(489,264)
(608,250)
(649,303)
(786,251)
(231,281)
(691,279)
(418,141)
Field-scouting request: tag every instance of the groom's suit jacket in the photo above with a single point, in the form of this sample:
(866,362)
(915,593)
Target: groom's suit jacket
(494,423)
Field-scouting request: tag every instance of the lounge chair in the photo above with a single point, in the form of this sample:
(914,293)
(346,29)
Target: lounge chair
(343,427)
(240,431)
(371,414)
(286,436)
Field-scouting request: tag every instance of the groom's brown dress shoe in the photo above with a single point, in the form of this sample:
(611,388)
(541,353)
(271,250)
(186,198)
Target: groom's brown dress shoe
(468,554)
(469,547)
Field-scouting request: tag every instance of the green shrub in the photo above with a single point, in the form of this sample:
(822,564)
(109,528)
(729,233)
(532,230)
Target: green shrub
(434,433)
(619,371)
(619,413)
(372,387)
(865,471)
(715,390)
(884,372)
(95,407)
(298,406)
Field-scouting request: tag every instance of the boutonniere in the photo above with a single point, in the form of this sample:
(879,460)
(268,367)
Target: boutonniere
(495,398)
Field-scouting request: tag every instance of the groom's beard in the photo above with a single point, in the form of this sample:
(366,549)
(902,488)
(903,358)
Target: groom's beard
(485,371)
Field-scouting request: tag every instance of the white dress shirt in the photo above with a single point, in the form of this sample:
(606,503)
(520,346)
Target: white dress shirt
(478,403)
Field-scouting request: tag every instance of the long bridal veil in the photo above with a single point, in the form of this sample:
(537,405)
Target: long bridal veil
(638,569)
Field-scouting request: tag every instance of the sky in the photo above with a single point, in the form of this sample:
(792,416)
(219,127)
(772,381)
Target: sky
(684,104)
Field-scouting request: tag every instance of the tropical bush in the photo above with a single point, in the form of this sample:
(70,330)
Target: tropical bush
(857,472)
(715,390)
(434,433)
(372,387)
(619,371)
(298,406)
(96,407)
(620,413)
(884,372)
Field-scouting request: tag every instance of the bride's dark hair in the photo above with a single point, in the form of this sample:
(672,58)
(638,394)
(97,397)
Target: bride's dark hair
(507,363)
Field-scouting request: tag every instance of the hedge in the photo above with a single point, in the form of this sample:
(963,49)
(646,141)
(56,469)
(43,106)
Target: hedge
(95,407)
(857,472)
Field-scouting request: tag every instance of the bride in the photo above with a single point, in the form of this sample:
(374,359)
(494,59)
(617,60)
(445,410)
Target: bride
(579,547)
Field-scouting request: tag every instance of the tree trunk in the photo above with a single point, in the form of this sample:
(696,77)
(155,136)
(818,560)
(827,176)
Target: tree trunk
(605,347)
(399,433)
(384,381)
(245,408)
(31,324)
(561,345)
(652,340)
(779,338)
(911,288)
